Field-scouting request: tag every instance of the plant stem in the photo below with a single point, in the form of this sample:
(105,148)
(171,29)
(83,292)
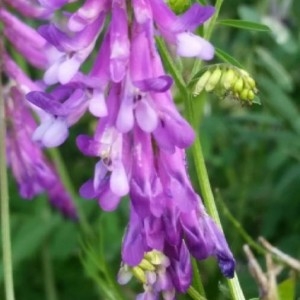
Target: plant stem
(197,282)
(207,34)
(5,222)
(50,290)
(194,294)
(247,238)
(64,176)
(200,167)
(207,194)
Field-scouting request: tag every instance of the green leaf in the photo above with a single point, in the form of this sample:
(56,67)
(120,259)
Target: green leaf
(279,102)
(286,289)
(275,68)
(249,13)
(244,25)
(31,235)
(224,56)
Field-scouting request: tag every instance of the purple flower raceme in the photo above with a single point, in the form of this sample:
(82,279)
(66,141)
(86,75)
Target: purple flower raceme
(33,173)
(140,138)
(31,169)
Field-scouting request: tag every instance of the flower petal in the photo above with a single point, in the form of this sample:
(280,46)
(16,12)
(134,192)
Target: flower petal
(146,116)
(56,133)
(190,45)
(118,180)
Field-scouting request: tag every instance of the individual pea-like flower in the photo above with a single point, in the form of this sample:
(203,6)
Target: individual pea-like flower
(64,106)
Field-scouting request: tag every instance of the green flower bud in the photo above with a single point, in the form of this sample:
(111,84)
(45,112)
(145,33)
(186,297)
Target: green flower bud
(239,84)
(251,95)
(244,94)
(139,274)
(201,83)
(228,79)
(250,81)
(213,80)
(179,6)
(146,265)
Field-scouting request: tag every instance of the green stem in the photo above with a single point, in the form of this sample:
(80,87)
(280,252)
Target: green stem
(194,294)
(197,282)
(50,290)
(169,62)
(200,167)
(63,173)
(207,34)
(247,238)
(213,20)
(5,222)
(207,194)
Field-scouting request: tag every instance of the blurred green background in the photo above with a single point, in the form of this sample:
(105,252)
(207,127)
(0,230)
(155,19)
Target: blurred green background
(253,160)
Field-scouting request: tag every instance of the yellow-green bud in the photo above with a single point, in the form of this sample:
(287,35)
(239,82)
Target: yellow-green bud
(139,274)
(244,94)
(201,83)
(228,79)
(250,81)
(155,257)
(213,80)
(238,86)
(146,265)
(251,95)
(179,6)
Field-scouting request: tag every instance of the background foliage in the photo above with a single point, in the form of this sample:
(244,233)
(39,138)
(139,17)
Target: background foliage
(253,159)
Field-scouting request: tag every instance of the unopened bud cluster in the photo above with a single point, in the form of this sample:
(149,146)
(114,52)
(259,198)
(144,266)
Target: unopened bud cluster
(151,272)
(227,81)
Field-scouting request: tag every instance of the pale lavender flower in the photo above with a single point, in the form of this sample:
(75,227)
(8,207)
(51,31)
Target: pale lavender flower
(178,30)
(71,51)
(64,106)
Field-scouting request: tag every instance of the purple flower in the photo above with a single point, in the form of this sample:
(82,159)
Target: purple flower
(29,8)
(25,39)
(178,30)
(54,4)
(64,106)
(110,179)
(33,173)
(70,52)
(204,239)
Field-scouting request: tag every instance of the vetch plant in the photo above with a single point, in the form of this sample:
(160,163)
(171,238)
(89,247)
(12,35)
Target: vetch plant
(108,59)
